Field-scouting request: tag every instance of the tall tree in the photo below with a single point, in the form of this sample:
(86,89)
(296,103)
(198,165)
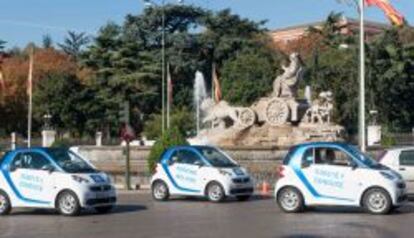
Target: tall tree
(47,41)
(2,43)
(74,43)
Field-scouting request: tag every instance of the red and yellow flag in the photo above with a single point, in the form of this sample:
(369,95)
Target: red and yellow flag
(393,15)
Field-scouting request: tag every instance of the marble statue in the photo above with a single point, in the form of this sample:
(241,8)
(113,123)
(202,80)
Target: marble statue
(218,113)
(285,85)
(320,110)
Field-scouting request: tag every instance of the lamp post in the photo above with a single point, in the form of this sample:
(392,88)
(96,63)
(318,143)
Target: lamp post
(150,3)
(359,4)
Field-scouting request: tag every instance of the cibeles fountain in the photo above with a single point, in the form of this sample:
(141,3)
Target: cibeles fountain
(279,119)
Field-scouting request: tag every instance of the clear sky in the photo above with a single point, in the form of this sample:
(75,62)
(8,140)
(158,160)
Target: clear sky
(22,21)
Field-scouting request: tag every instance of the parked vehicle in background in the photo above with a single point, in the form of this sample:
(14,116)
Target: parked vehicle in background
(201,171)
(54,178)
(402,161)
(335,174)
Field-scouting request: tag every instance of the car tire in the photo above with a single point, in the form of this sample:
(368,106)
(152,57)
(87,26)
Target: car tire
(5,205)
(290,200)
(68,204)
(215,192)
(243,198)
(160,191)
(104,209)
(377,201)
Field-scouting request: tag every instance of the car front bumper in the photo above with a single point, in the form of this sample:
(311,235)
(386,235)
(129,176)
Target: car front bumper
(98,198)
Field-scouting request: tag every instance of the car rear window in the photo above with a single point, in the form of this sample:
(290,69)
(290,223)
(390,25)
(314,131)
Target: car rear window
(407,157)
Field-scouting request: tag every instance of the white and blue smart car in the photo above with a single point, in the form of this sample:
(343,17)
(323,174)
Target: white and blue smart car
(335,174)
(201,171)
(54,178)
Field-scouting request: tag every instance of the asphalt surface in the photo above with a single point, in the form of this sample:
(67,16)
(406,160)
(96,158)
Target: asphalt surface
(138,216)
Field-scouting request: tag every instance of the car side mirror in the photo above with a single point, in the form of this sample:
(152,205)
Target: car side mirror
(199,163)
(12,168)
(354,166)
(49,168)
(170,162)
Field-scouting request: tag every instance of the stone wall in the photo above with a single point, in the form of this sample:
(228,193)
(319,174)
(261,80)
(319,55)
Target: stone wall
(260,161)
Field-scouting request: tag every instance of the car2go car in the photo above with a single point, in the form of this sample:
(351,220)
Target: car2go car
(200,171)
(336,174)
(52,178)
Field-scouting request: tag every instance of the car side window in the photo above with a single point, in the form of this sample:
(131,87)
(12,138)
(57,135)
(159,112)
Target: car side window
(18,162)
(332,156)
(187,157)
(36,161)
(308,158)
(407,158)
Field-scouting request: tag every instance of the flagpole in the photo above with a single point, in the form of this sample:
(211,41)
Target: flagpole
(168,95)
(30,89)
(361,127)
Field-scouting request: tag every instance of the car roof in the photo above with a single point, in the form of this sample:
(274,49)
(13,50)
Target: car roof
(400,148)
(321,143)
(190,147)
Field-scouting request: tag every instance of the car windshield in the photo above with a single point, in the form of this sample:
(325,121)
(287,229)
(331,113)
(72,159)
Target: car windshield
(364,158)
(70,162)
(216,157)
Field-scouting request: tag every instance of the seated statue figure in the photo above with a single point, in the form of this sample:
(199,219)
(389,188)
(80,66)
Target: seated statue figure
(285,85)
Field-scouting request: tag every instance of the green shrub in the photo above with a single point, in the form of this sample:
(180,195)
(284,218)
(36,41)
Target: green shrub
(388,141)
(171,137)
(61,143)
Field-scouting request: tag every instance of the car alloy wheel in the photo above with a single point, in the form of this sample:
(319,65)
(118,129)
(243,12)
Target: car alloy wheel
(68,204)
(377,201)
(160,191)
(5,206)
(290,200)
(215,192)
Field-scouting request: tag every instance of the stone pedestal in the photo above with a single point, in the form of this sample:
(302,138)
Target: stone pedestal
(98,138)
(374,135)
(48,137)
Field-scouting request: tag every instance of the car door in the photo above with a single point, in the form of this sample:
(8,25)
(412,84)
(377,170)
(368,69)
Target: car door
(31,179)
(185,170)
(406,168)
(330,176)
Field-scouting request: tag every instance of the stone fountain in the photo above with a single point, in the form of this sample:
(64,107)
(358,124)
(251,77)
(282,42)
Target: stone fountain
(280,119)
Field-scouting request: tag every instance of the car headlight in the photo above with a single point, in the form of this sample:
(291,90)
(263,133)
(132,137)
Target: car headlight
(79,179)
(224,172)
(387,175)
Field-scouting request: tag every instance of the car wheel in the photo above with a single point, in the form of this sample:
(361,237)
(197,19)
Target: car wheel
(215,192)
(104,209)
(243,198)
(377,201)
(5,205)
(160,191)
(290,200)
(68,204)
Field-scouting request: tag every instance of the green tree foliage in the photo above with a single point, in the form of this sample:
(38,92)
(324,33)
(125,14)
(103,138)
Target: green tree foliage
(172,137)
(390,67)
(62,96)
(74,43)
(2,43)
(181,118)
(47,41)
(249,76)
(127,57)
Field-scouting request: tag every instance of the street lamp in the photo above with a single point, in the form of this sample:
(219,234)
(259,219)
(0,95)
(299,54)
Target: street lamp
(150,3)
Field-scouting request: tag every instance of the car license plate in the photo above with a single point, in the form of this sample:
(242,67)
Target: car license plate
(101,195)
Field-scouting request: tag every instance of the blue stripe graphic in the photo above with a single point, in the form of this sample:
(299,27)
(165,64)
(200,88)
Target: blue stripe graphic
(167,171)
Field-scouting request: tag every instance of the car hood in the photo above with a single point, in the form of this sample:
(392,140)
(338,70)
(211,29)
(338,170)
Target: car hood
(95,178)
(236,171)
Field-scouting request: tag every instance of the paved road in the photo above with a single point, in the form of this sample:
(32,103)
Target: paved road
(138,216)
